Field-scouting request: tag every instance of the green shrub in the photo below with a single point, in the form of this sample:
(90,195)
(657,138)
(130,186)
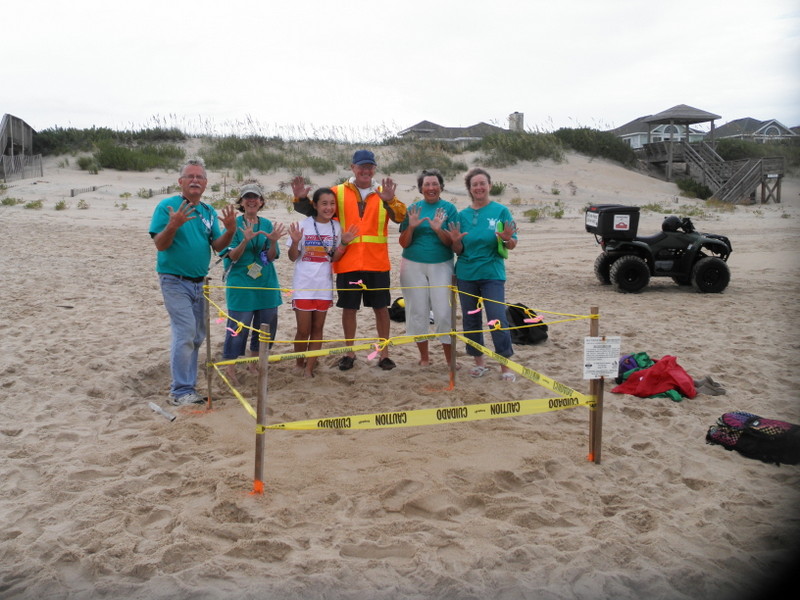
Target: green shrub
(83,204)
(693,189)
(88,163)
(112,156)
(730,149)
(533,214)
(498,187)
(504,149)
(59,140)
(655,207)
(9,201)
(596,143)
(415,155)
(34,204)
(61,205)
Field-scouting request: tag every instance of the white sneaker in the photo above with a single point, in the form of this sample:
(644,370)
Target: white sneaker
(190,398)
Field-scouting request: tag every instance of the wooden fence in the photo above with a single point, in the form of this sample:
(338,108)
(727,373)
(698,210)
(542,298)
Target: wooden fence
(21,166)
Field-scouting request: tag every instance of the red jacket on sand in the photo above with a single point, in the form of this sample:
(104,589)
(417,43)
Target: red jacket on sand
(665,375)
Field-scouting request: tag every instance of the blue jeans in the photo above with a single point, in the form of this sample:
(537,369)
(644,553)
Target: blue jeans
(235,344)
(488,289)
(187,316)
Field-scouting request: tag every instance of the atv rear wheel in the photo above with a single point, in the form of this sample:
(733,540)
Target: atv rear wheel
(629,274)
(602,266)
(710,275)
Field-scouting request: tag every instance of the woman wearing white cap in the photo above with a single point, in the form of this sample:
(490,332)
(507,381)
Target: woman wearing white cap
(253,293)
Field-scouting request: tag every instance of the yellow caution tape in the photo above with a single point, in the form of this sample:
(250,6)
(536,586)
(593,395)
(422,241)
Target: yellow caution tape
(437,416)
(247,406)
(538,378)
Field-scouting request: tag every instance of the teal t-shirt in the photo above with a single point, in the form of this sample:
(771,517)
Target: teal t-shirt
(426,247)
(480,258)
(252,299)
(190,251)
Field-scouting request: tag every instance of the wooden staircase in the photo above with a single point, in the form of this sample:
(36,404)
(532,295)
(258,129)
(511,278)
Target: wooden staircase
(734,182)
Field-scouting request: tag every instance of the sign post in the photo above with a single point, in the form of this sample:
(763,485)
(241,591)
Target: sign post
(600,360)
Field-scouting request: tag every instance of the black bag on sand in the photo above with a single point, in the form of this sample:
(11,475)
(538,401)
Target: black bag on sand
(529,333)
(397,311)
(767,440)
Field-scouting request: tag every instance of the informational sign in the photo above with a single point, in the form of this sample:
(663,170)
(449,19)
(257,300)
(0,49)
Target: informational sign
(601,356)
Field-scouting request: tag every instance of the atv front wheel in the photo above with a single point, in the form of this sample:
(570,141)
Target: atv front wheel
(629,274)
(602,266)
(710,275)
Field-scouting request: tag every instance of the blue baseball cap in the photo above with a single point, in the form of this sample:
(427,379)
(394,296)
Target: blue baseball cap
(364,157)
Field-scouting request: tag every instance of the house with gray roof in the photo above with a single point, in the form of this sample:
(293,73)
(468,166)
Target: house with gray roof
(668,125)
(755,130)
(639,132)
(431,131)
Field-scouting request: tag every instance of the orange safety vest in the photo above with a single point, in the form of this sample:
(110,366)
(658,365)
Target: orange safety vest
(369,251)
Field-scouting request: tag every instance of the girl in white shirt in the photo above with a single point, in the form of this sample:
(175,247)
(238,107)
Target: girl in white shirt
(314,244)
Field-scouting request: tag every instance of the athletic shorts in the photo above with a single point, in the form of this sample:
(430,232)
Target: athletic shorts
(350,293)
(312,305)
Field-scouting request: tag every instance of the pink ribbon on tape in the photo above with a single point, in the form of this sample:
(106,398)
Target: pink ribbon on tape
(478,308)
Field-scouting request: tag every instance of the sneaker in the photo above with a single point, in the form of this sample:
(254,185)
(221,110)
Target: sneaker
(190,398)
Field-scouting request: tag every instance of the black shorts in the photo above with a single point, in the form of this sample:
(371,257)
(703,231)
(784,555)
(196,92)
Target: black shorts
(350,292)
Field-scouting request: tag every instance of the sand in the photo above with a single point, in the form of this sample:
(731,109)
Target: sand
(103,498)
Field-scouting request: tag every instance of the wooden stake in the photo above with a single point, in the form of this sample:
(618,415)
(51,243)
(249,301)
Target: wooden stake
(596,390)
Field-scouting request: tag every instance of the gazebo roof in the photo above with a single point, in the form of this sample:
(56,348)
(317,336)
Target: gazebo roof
(682,114)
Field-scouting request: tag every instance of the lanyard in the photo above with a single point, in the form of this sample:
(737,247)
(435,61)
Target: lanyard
(329,251)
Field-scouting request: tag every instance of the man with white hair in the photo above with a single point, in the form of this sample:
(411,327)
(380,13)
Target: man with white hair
(184,231)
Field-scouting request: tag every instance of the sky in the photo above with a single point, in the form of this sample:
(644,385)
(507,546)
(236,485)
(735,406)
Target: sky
(369,69)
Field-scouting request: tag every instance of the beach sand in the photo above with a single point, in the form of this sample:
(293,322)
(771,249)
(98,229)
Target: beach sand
(104,498)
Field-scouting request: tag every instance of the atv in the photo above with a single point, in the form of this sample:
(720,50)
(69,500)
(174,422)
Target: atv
(678,251)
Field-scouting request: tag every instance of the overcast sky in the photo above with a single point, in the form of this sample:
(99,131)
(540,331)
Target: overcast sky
(361,68)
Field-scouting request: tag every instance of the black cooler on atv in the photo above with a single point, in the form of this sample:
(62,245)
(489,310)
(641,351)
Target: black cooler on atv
(678,251)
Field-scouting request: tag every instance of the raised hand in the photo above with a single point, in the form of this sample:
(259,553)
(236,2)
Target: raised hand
(413,217)
(351,234)
(388,188)
(509,229)
(296,232)
(248,232)
(438,219)
(186,212)
(299,187)
(278,231)
(228,217)
(456,235)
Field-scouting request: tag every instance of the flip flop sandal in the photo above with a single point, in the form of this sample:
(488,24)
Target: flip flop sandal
(478,371)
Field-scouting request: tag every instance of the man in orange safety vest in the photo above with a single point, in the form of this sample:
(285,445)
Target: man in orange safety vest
(363,273)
